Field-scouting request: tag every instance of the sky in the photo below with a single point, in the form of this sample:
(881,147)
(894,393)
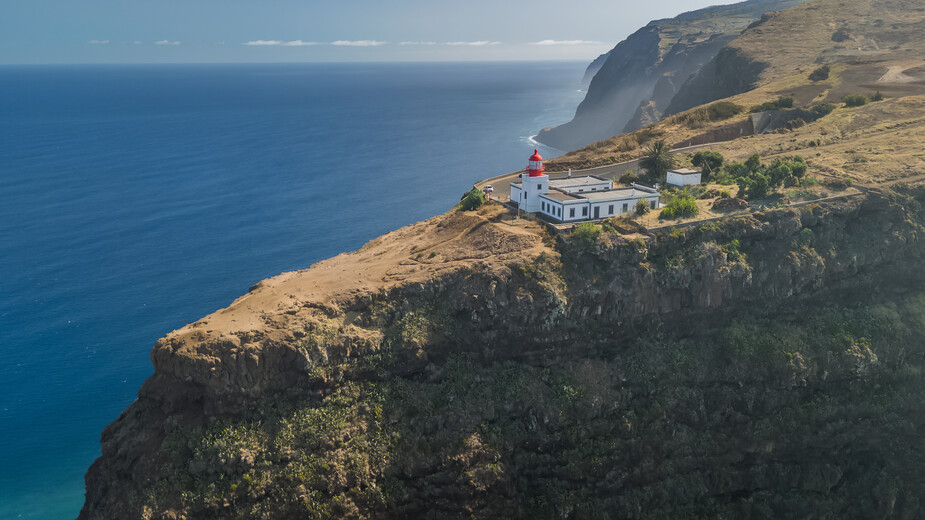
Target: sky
(181,31)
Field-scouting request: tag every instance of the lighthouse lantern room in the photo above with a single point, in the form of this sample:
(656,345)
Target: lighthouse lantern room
(535,184)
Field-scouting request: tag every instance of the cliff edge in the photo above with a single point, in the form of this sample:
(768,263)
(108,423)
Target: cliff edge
(476,366)
(634,84)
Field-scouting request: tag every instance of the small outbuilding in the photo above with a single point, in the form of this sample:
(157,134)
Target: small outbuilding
(684,177)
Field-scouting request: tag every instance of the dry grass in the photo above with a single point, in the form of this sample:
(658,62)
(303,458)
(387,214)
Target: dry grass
(878,143)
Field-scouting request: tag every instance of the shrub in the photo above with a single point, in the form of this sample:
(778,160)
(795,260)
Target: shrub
(682,205)
(586,232)
(642,207)
(755,186)
(822,109)
(877,97)
(472,200)
(780,103)
(856,100)
(820,74)
(733,251)
(715,112)
(628,178)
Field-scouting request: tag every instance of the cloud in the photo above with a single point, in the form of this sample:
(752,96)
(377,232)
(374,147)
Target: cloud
(417,43)
(264,42)
(359,43)
(566,42)
(98,42)
(475,44)
(299,43)
(136,42)
(166,42)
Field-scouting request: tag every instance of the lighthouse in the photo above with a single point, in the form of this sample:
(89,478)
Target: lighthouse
(535,183)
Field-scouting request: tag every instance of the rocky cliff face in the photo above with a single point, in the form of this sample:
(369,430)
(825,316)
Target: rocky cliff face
(765,366)
(640,77)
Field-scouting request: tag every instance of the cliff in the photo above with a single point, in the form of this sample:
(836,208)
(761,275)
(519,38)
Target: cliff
(474,366)
(639,78)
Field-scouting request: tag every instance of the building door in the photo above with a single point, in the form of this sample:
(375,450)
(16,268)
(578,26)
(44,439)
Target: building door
(597,212)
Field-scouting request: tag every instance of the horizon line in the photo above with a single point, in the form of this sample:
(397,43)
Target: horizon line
(331,62)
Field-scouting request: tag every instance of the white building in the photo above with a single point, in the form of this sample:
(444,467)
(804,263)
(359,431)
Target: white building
(684,177)
(576,199)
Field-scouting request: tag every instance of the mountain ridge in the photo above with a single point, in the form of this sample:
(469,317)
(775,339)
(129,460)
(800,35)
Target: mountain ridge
(664,52)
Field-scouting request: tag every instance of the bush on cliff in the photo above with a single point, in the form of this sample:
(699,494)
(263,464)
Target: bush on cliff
(472,200)
(681,205)
(586,232)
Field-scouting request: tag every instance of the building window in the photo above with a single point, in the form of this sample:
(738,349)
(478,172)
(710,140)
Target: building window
(654,204)
(610,209)
(539,186)
(626,207)
(571,213)
(584,211)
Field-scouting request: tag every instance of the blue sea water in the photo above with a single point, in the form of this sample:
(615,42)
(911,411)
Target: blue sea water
(135,199)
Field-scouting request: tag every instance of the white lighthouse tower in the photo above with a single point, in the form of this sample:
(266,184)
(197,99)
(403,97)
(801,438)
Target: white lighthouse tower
(535,183)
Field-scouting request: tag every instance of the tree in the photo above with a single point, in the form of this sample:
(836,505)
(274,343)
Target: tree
(798,166)
(755,186)
(710,163)
(877,97)
(472,200)
(780,174)
(753,164)
(658,160)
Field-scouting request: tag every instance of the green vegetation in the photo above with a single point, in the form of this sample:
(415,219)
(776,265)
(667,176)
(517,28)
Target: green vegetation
(710,163)
(820,74)
(757,181)
(681,205)
(856,100)
(642,207)
(718,111)
(733,251)
(822,109)
(877,97)
(586,232)
(781,103)
(628,178)
(472,200)
(658,160)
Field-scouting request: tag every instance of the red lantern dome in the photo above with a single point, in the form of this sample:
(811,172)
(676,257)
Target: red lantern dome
(535,167)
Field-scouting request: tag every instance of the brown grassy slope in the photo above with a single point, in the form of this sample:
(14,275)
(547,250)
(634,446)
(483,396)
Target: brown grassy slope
(881,49)
(486,240)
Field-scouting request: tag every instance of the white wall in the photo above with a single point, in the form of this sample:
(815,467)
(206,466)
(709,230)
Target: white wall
(675,179)
(533,187)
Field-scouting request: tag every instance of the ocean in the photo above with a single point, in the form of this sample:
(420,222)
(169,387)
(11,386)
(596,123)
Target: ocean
(135,199)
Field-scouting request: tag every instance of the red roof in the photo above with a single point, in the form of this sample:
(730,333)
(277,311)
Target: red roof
(536,156)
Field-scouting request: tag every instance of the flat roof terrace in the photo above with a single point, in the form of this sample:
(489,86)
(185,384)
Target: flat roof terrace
(622,193)
(561,196)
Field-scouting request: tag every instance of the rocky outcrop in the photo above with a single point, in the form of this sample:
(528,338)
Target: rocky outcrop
(598,378)
(639,79)
(729,73)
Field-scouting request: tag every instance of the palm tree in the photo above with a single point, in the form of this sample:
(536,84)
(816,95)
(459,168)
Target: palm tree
(658,160)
